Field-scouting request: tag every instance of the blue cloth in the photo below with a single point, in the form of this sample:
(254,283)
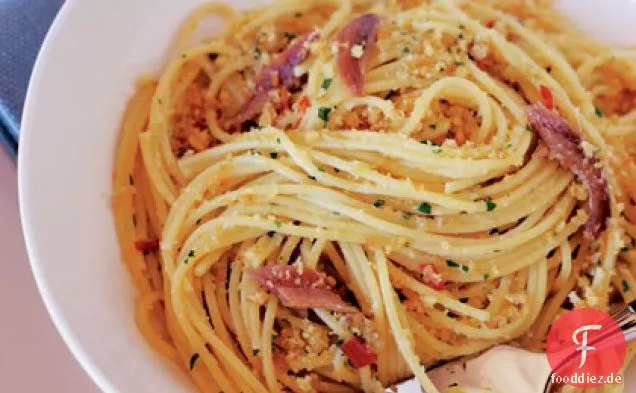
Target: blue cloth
(23,25)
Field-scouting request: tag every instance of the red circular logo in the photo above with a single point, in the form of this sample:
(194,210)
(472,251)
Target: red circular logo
(586,348)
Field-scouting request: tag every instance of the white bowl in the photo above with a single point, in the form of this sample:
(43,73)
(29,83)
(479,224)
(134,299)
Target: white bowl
(83,78)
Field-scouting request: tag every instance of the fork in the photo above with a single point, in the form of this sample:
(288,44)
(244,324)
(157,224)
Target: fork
(504,368)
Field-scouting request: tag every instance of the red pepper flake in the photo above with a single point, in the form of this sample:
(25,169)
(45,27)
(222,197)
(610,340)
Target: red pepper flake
(481,65)
(547,96)
(357,353)
(303,105)
(147,245)
(491,23)
(431,276)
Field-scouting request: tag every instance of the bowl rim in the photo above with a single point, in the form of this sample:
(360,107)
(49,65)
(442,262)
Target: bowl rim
(26,138)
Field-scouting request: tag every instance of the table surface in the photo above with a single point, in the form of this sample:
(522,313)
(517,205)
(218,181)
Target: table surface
(33,357)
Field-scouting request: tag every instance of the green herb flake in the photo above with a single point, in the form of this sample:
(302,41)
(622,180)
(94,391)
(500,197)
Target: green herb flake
(335,213)
(289,36)
(486,276)
(340,342)
(406,50)
(459,63)
(624,249)
(323,113)
(326,84)
(255,352)
(183,55)
(451,263)
(321,170)
(278,224)
(529,128)
(436,149)
(379,203)
(406,216)
(191,253)
(193,360)
(298,14)
(625,286)
(490,205)
(598,112)
(271,233)
(424,208)
(274,336)
(465,268)
(257,53)
(432,126)
(274,155)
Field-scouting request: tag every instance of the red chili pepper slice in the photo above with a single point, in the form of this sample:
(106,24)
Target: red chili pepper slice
(546,96)
(358,353)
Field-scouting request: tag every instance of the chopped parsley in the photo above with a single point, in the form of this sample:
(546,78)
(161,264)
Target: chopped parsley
(323,113)
(340,342)
(183,55)
(406,50)
(274,155)
(289,36)
(278,224)
(465,268)
(406,216)
(257,53)
(459,63)
(326,84)
(624,249)
(271,233)
(321,170)
(379,203)
(274,336)
(193,360)
(625,286)
(436,149)
(598,112)
(278,140)
(424,208)
(451,263)
(255,352)
(432,126)
(191,253)
(490,205)
(486,276)
(529,128)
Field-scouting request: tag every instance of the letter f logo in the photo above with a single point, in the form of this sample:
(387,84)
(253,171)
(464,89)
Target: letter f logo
(583,344)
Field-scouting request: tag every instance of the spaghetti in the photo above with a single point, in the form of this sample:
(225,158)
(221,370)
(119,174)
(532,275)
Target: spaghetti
(332,195)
